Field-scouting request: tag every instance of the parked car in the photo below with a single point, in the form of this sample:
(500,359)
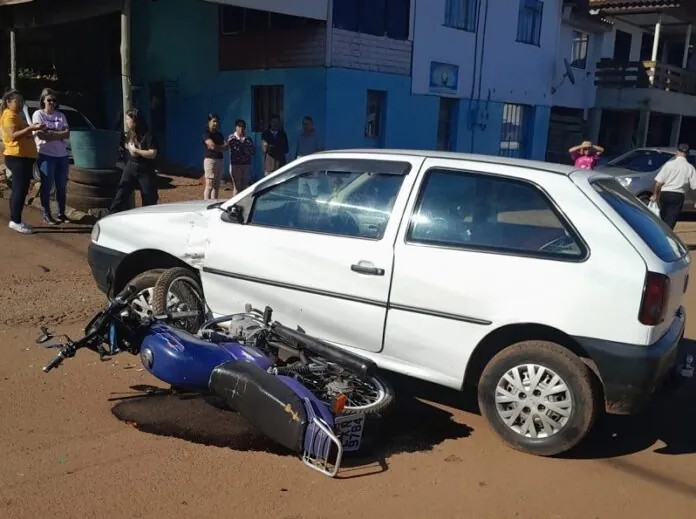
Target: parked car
(636,171)
(457,269)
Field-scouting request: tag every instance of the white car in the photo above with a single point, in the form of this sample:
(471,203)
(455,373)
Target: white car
(552,290)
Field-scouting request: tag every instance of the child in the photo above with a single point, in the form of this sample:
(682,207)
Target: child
(585,155)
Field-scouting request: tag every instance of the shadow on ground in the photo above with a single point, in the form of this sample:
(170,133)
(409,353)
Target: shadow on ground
(411,425)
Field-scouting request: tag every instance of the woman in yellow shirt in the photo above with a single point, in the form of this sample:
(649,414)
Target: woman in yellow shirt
(20,154)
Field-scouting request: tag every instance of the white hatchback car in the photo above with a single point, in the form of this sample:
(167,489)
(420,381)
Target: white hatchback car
(554,291)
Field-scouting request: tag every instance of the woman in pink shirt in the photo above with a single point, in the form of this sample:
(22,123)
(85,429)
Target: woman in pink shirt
(53,154)
(585,155)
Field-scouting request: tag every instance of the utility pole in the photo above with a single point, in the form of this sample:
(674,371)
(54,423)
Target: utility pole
(126,87)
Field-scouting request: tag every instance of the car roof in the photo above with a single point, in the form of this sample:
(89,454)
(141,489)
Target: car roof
(35,104)
(661,149)
(549,167)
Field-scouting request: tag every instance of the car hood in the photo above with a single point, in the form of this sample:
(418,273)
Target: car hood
(179,229)
(193,206)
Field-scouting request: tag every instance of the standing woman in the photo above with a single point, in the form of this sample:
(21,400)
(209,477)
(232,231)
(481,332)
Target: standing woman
(140,167)
(53,154)
(20,155)
(213,147)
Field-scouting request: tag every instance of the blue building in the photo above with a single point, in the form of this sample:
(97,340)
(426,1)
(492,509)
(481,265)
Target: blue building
(464,75)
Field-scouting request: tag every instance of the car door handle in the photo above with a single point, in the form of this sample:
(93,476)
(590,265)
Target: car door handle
(371,270)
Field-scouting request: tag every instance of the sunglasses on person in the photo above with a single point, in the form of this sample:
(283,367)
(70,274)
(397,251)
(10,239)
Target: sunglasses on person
(50,100)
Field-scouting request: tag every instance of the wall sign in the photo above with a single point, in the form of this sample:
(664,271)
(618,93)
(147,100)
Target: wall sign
(444,78)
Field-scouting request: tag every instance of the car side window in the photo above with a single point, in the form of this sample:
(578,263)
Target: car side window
(350,201)
(485,212)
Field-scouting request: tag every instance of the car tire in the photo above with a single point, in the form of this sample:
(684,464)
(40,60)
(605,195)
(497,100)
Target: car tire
(645,198)
(91,191)
(95,177)
(144,284)
(180,287)
(499,400)
(86,203)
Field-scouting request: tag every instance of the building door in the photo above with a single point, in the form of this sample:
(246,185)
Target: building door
(622,46)
(266,101)
(158,116)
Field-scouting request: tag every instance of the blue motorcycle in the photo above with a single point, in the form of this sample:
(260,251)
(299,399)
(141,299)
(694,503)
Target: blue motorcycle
(301,392)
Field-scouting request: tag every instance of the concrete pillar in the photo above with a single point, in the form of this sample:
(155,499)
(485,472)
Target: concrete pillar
(655,47)
(13,59)
(676,130)
(643,126)
(594,122)
(687,44)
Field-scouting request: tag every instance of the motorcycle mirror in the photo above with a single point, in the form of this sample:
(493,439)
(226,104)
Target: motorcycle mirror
(45,336)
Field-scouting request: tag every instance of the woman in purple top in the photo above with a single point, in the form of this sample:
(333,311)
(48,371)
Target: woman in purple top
(585,155)
(53,154)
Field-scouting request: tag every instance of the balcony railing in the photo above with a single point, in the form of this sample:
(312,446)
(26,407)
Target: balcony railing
(645,74)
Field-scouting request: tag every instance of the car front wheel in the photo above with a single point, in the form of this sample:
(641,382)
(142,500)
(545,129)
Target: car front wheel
(538,397)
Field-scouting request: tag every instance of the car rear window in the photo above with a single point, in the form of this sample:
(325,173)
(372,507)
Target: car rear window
(660,238)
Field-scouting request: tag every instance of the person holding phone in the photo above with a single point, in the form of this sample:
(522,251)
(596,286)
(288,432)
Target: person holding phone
(53,155)
(20,155)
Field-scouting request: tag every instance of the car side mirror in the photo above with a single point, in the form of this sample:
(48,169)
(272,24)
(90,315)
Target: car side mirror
(233,214)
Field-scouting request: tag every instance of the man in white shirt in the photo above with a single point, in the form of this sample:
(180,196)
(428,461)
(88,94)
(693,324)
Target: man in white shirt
(671,183)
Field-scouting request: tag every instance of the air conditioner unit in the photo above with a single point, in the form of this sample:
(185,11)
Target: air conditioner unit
(567,11)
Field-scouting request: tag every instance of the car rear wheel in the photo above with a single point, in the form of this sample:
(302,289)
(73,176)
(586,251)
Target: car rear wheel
(645,198)
(538,397)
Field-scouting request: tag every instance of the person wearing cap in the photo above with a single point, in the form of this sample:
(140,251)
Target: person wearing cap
(671,183)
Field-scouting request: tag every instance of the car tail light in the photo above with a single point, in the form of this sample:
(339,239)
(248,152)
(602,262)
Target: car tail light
(655,296)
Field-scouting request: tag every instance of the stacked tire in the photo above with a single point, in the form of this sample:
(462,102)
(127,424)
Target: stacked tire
(92,190)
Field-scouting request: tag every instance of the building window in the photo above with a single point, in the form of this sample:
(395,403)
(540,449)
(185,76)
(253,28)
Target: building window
(461,14)
(266,100)
(390,18)
(446,124)
(374,113)
(235,20)
(529,21)
(578,57)
(515,131)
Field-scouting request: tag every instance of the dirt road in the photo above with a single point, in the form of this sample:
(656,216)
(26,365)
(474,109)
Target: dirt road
(65,455)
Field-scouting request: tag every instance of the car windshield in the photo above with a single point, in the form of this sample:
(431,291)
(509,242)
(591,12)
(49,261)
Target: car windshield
(76,121)
(642,161)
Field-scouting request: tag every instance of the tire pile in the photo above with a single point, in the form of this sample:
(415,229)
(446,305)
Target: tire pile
(92,189)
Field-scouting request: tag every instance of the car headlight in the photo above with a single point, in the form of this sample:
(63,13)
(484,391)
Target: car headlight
(95,232)
(625,181)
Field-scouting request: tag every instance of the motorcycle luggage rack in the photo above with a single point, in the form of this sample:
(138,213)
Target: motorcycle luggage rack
(319,440)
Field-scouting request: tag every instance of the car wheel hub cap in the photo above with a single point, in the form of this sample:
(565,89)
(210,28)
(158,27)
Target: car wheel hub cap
(533,401)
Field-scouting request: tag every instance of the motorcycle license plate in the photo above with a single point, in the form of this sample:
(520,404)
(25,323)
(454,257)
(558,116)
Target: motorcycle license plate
(349,428)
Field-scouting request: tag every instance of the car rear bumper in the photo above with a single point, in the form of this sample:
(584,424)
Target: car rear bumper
(102,261)
(631,373)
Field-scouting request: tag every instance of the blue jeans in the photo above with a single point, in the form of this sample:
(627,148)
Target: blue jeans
(54,171)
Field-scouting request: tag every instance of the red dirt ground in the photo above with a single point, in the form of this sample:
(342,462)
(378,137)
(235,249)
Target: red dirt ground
(65,454)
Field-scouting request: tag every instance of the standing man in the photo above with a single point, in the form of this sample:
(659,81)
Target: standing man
(241,151)
(308,141)
(275,146)
(671,183)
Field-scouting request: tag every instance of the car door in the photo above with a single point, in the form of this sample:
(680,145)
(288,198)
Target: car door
(317,245)
(479,248)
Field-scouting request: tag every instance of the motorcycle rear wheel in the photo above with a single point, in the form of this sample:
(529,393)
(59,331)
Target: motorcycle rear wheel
(372,396)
